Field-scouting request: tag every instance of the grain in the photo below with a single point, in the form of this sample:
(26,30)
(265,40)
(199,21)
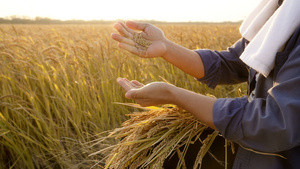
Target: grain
(149,137)
(141,43)
(61,83)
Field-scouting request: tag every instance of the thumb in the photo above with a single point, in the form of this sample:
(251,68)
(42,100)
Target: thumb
(132,94)
(137,25)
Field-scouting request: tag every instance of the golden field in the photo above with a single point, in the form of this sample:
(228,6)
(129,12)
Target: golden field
(58,87)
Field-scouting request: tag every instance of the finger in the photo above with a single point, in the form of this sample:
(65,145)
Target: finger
(137,95)
(134,83)
(129,48)
(134,50)
(122,39)
(137,25)
(137,83)
(126,28)
(130,94)
(120,28)
(133,94)
(125,84)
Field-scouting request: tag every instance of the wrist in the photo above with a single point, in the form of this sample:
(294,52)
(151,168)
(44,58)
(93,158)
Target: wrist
(200,106)
(169,45)
(174,95)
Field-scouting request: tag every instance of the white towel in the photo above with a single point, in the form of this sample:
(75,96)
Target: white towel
(268,28)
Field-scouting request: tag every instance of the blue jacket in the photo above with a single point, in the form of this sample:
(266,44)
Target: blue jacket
(268,123)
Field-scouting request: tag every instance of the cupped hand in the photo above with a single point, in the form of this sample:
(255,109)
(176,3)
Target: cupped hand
(149,32)
(155,93)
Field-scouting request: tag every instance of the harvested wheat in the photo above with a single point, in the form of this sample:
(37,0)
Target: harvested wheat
(149,137)
(141,43)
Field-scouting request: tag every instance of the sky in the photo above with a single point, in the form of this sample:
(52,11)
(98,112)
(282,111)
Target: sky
(161,10)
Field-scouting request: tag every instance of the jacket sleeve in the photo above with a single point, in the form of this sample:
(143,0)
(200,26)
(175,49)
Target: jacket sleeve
(271,124)
(224,67)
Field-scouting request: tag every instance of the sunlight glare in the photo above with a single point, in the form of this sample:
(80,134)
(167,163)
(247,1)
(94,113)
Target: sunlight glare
(188,10)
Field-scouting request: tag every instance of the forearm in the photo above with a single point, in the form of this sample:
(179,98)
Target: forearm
(158,93)
(185,59)
(199,105)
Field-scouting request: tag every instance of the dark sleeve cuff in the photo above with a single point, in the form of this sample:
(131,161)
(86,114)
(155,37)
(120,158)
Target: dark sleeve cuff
(227,116)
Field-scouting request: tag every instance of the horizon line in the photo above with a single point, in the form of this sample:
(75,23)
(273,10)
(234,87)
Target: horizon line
(38,19)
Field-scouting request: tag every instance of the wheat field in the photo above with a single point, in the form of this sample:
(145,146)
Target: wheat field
(58,88)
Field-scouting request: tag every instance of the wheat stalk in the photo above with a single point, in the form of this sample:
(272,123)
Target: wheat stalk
(148,138)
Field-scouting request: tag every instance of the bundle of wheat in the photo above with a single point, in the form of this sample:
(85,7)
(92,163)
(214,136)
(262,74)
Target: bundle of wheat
(149,137)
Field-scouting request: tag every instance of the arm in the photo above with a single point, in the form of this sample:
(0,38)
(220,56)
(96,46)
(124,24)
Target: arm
(158,93)
(208,66)
(273,120)
(185,59)
(224,67)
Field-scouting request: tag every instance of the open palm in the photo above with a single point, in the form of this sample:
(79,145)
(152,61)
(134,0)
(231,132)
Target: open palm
(149,32)
(152,94)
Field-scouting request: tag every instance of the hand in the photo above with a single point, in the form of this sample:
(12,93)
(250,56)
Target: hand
(156,93)
(149,32)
